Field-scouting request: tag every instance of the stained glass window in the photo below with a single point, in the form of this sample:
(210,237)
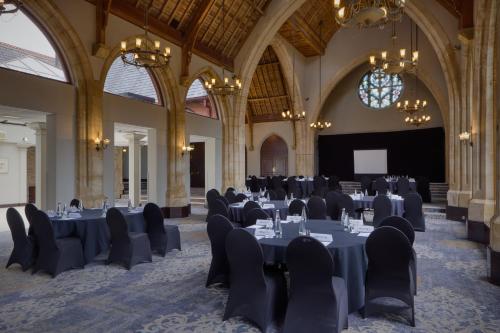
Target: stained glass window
(379,90)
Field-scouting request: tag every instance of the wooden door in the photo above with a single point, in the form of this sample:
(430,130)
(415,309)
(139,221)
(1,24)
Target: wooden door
(274,157)
(197,165)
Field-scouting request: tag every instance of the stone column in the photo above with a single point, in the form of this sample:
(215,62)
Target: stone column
(41,164)
(304,154)
(118,165)
(152,165)
(134,167)
(22,149)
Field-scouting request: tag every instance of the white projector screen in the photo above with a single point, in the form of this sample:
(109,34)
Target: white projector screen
(370,161)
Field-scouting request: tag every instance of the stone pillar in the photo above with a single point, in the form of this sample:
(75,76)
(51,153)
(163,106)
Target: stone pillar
(152,166)
(233,143)
(22,149)
(118,166)
(304,154)
(134,167)
(41,164)
(482,204)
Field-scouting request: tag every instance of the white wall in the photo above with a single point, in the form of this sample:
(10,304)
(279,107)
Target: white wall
(261,131)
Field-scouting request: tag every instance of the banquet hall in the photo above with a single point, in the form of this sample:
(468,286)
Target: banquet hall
(249,166)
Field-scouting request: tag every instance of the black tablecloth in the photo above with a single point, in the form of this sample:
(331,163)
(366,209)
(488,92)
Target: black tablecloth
(348,253)
(237,210)
(367,202)
(93,231)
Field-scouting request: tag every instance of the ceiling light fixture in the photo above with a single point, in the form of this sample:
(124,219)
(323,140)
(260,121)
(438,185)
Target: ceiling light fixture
(9,6)
(367,13)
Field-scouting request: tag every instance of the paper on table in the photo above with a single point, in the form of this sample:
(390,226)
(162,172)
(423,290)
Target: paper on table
(325,243)
(292,219)
(322,237)
(267,206)
(356,223)
(255,226)
(364,229)
(264,233)
(75,215)
(263,223)
(364,234)
(259,237)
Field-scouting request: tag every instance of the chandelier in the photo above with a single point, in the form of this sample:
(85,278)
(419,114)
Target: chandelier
(9,6)
(410,109)
(320,125)
(144,54)
(417,120)
(291,115)
(367,13)
(227,87)
(397,61)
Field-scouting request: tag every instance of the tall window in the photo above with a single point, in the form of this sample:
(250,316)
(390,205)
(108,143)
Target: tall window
(379,90)
(132,82)
(25,48)
(198,101)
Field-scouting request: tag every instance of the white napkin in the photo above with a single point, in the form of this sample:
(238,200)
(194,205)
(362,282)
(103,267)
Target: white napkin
(328,238)
(266,233)
(255,226)
(325,243)
(290,218)
(75,215)
(267,206)
(364,234)
(264,223)
(364,229)
(73,209)
(51,213)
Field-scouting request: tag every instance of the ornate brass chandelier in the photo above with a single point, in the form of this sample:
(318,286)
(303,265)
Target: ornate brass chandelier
(414,110)
(144,54)
(367,13)
(320,125)
(9,6)
(417,120)
(229,86)
(397,61)
(291,114)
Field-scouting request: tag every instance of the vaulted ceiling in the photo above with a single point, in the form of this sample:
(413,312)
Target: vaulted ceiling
(268,95)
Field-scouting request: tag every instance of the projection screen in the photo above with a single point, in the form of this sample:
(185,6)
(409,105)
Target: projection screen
(370,161)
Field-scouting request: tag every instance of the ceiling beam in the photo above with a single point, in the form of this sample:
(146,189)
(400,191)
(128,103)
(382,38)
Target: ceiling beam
(260,99)
(301,26)
(102,8)
(467,14)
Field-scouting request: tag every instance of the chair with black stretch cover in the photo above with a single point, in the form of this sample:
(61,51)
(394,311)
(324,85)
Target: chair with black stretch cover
(318,299)
(320,186)
(296,207)
(230,196)
(257,294)
(334,184)
(240,197)
(276,183)
(382,208)
(280,194)
(424,189)
(413,211)
(381,185)
(158,233)
(127,248)
(211,196)
(220,207)
(224,200)
(55,255)
(75,203)
(29,211)
(332,205)
(272,195)
(22,253)
(253,215)
(293,187)
(345,201)
(403,186)
(406,228)
(231,189)
(218,227)
(249,205)
(389,273)
(317,208)
(366,185)
(254,185)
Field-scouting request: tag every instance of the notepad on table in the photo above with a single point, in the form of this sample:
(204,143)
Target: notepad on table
(267,206)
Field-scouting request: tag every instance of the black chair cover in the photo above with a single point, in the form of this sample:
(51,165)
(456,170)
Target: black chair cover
(317,208)
(230,196)
(22,253)
(389,273)
(240,197)
(55,255)
(381,185)
(230,189)
(318,300)
(424,189)
(320,186)
(345,201)
(366,185)
(332,204)
(253,215)
(220,207)
(254,185)
(382,207)
(256,294)
(413,211)
(155,228)
(128,248)
(29,211)
(403,185)
(280,194)
(334,184)
(74,203)
(296,207)
(249,205)
(211,196)
(272,195)
(293,187)
(218,227)
(276,183)
(224,200)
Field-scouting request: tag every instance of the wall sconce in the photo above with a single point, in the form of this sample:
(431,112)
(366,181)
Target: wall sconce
(100,143)
(465,137)
(187,149)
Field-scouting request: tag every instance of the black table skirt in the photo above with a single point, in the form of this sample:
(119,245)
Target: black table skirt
(348,253)
(93,231)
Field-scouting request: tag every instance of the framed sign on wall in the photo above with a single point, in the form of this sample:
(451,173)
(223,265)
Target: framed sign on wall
(4,165)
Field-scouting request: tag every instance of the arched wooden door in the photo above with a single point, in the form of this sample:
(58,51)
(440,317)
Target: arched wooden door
(274,157)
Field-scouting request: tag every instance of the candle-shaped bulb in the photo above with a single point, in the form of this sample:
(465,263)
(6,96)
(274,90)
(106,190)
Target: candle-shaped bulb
(372,60)
(384,55)
(336,4)
(402,53)
(123,44)
(138,42)
(341,13)
(415,56)
(157,44)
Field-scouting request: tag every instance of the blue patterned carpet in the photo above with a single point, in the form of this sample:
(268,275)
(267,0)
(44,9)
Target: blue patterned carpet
(169,295)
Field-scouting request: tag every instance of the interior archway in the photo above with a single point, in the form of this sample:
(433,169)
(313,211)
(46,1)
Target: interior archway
(274,157)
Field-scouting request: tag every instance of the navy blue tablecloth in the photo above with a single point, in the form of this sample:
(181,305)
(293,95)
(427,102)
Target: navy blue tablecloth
(393,186)
(348,253)
(237,210)
(93,231)
(367,202)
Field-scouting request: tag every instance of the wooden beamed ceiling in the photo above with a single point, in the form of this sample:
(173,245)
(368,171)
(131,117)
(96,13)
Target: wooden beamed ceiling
(268,95)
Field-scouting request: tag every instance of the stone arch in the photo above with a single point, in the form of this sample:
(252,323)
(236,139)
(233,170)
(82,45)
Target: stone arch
(274,150)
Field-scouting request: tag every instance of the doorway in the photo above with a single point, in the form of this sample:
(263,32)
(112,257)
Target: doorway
(274,157)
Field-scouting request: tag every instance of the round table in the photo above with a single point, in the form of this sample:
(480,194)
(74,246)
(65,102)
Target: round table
(393,186)
(93,230)
(367,202)
(347,250)
(237,210)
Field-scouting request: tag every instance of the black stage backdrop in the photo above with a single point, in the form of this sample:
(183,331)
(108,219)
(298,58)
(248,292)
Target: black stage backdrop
(415,153)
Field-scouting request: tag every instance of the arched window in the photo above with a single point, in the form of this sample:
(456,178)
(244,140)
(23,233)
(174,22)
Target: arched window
(198,101)
(379,90)
(132,82)
(24,47)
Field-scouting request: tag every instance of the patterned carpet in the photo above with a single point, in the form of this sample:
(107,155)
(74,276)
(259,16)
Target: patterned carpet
(169,294)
